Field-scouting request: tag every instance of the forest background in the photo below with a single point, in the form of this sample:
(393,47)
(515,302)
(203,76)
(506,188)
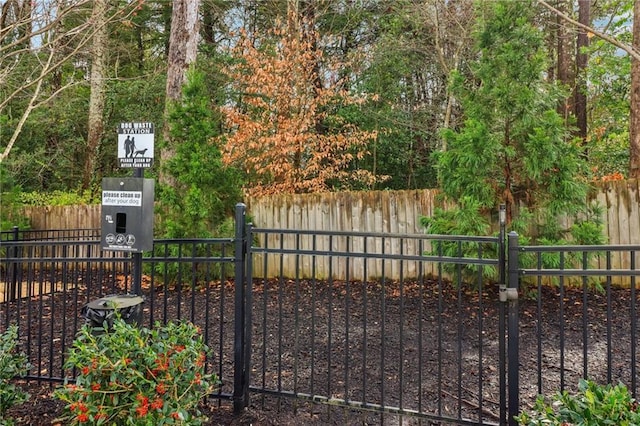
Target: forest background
(517,102)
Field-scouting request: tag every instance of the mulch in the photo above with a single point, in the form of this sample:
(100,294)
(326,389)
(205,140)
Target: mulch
(551,344)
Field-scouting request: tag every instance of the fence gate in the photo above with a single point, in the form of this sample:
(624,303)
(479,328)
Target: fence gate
(383,327)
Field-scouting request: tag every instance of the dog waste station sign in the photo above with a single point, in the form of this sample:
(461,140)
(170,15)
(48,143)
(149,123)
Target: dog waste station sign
(135,145)
(127,202)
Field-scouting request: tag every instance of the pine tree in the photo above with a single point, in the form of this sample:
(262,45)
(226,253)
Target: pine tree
(203,191)
(514,147)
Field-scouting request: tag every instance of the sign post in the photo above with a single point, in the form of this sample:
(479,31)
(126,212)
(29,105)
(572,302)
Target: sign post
(127,203)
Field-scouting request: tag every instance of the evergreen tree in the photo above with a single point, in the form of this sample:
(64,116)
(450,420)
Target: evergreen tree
(204,191)
(513,147)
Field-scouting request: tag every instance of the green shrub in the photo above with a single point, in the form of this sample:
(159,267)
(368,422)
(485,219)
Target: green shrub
(12,214)
(54,198)
(136,376)
(12,364)
(203,191)
(465,219)
(594,405)
(469,218)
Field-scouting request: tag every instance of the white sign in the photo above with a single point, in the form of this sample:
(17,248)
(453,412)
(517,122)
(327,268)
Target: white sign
(122,198)
(135,145)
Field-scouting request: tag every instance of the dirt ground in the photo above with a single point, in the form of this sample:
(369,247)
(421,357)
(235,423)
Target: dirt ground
(551,339)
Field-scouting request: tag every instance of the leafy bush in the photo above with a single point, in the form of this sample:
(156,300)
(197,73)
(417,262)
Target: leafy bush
(594,405)
(463,220)
(55,198)
(12,364)
(539,227)
(136,376)
(9,200)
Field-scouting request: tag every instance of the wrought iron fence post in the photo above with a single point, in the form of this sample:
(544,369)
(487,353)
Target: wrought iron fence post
(240,385)
(136,278)
(248,277)
(502,344)
(513,347)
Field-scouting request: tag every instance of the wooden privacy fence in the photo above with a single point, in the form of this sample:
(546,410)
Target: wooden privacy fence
(395,212)
(371,211)
(64,217)
(374,212)
(400,211)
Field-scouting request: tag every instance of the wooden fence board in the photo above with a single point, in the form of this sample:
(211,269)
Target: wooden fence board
(373,211)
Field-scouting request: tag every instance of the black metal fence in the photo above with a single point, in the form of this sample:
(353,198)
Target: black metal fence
(17,234)
(579,314)
(44,288)
(357,327)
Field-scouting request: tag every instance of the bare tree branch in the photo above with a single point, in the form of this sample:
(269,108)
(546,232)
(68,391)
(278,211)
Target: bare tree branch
(26,112)
(626,47)
(36,36)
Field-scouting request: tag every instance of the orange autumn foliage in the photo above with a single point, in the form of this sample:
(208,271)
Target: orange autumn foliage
(283,131)
(612,177)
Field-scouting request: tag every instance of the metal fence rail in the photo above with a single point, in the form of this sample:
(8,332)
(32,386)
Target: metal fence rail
(17,234)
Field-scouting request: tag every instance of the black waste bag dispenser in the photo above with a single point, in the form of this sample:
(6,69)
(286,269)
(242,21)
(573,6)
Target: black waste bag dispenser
(127,214)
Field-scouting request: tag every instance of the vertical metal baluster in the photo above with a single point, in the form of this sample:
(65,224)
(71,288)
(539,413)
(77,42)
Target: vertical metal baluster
(585,317)
(634,328)
(562,323)
(609,322)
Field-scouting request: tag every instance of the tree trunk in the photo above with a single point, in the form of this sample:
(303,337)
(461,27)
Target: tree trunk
(580,94)
(562,73)
(209,24)
(183,49)
(98,85)
(634,119)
